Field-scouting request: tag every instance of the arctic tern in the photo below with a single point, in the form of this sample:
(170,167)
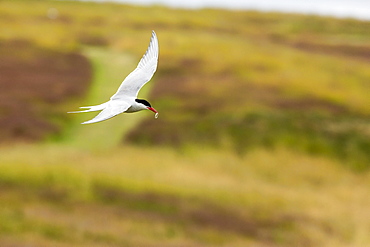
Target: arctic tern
(125,99)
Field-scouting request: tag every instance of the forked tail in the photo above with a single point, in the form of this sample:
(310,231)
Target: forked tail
(91,108)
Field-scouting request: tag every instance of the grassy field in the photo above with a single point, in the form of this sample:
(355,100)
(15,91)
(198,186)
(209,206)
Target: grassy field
(262,139)
(159,197)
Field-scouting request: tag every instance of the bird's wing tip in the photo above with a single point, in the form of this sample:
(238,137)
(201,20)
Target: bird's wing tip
(91,121)
(88,122)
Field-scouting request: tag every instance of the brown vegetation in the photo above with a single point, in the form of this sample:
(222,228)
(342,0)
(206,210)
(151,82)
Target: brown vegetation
(33,82)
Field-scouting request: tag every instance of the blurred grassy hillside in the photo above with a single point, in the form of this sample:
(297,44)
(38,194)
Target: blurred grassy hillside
(263,136)
(230,79)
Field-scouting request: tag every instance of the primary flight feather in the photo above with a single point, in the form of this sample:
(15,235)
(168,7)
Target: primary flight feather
(125,99)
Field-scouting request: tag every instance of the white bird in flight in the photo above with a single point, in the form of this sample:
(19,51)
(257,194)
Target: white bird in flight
(125,99)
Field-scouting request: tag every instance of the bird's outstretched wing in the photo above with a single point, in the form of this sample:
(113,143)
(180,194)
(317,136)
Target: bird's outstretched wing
(144,71)
(109,112)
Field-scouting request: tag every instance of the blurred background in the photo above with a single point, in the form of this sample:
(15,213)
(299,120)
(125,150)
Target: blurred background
(263,135)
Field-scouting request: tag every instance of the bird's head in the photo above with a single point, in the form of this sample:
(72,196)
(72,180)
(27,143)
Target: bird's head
(146,105)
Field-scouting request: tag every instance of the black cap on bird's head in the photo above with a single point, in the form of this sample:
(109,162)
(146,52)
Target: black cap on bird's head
(147,104)
(144,102)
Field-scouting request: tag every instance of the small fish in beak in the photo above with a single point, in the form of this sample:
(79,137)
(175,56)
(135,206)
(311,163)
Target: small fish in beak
(154,110)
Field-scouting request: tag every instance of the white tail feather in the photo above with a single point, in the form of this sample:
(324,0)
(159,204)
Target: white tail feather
(91,108)
(108,112)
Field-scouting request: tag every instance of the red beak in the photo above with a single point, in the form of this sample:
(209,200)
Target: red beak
(152,109)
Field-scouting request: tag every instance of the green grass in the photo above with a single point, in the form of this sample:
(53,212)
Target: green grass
(109,68)
(195,197)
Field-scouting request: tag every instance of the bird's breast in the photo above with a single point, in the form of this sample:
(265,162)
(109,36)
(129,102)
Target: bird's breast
(134,108)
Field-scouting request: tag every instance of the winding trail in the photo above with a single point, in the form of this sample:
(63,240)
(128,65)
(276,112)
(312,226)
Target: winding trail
(110,68)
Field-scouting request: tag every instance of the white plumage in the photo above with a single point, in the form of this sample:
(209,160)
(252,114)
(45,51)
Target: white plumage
(125,99)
